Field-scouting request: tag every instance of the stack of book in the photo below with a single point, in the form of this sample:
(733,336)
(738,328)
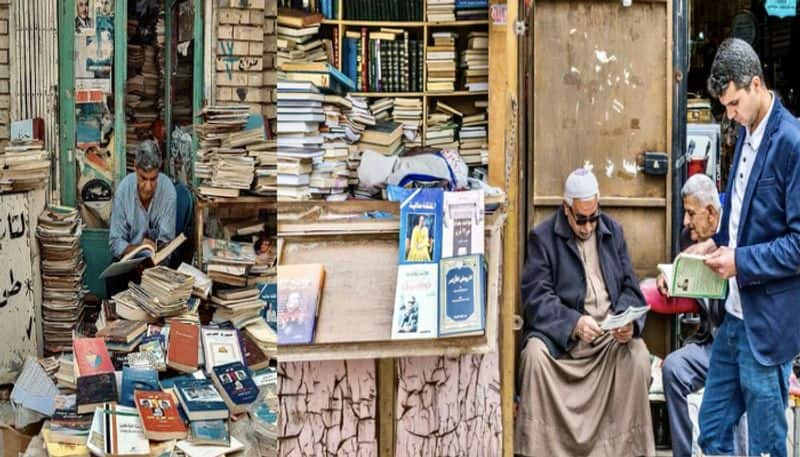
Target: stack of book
(163,292)
(382,109)
(299,141)
(240,306)
(62,268)
(215,162)
(474,141)
(24,165)
(467,10)
(441,62)
(228,262)
(385,138)
(408,112)
(441,132)
(441,10)
(298,39)
(475,62)
(266,156)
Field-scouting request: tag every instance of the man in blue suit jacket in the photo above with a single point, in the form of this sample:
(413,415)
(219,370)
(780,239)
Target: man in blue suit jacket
(758,250)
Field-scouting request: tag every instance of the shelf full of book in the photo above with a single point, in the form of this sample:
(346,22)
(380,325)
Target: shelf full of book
(362,328)
(415,67)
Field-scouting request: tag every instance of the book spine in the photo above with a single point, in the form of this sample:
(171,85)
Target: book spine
(384,65)
(364,59)
(335,53)
(404,63)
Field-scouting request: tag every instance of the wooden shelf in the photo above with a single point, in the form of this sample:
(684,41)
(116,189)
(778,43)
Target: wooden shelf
(414,24)
(458,93)
(387,94)
(368,263)
(458,23)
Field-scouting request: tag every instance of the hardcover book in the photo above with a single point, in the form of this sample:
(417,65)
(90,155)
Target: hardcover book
(160,417)
(299,296)
(182,352)
(462,223)
(462,292)
(200,400)
(134,379)
(237,387)
(421,226)
(91,357)
(416,301)
(95,390)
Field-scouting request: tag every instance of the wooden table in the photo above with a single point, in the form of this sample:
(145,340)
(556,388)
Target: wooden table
(202,202)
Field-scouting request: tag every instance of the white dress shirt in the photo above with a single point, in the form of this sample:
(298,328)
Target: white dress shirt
(750,146)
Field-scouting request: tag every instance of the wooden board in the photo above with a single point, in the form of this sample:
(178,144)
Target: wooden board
(355,316)
(449,406)
(327,409)
(600,86)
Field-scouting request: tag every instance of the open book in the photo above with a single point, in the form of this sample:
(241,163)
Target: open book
(688,276)
(132,259)
(619,320)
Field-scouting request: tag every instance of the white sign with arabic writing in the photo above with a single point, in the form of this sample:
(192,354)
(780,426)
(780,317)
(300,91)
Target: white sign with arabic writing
(17,311)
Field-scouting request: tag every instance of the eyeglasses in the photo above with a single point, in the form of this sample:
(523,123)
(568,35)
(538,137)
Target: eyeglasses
(580,219)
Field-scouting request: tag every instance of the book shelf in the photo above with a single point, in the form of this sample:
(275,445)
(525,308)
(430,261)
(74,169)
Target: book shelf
(460,97)
(361,329)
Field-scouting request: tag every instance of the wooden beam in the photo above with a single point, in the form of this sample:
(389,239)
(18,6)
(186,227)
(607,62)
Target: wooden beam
(66,101)
(387,388)
(120,76)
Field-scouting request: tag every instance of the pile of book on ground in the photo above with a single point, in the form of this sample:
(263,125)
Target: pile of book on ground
(188,388)
(62,267)
(224,163)
(229,262)
(24,165)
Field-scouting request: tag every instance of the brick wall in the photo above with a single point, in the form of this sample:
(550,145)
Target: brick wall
(5,98)
(240,53)
(270,49)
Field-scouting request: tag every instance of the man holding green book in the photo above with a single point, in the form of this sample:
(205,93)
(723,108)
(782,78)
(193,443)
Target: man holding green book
(758,250)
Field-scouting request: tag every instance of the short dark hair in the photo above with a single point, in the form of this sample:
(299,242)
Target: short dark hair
(736,62)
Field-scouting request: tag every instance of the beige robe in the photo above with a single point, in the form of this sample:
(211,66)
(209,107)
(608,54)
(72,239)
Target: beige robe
(593,402)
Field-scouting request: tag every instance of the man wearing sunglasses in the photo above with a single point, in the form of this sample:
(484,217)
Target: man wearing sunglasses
(581,390)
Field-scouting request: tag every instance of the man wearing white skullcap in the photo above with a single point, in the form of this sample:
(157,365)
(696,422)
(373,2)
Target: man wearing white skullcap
(582,391)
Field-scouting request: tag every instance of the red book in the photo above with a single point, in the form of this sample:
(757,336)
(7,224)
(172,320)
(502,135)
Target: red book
(160,417)
(91,357)
(184,339)
(364,60)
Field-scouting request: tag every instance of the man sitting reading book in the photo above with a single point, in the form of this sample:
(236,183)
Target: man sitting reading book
(143,212)
(583,390)
(684,371)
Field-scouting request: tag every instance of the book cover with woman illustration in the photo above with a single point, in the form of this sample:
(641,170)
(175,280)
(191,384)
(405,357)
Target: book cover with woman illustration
(421,226)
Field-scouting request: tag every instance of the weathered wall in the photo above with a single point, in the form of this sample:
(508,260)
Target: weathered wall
(5,98)
(448,407)
(327,409)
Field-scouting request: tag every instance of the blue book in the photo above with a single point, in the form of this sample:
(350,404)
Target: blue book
(462,289)
(213,432)
(269,294)
(236,386)
(136,379)
(421,226)
(350,63)
(200,400)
